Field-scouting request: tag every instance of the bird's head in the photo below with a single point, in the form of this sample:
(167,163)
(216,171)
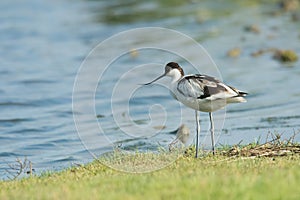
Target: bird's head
(172,69)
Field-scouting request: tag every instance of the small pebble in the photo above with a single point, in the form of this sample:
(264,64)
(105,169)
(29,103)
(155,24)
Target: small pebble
(134,53)
(295,17)
(285,55)
(289,5)
(258,53)
(160,127)
(252,28)
(234,53)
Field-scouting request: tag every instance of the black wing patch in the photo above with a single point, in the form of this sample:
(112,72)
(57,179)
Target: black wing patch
(206,93)
(209,91)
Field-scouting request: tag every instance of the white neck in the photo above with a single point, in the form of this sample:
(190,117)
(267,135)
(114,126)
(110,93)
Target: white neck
(175,75)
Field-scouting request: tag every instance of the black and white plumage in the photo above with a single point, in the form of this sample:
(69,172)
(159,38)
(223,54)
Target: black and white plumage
(205,93)
(201,93)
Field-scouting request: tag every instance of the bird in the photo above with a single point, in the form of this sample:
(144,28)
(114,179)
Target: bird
(201,93)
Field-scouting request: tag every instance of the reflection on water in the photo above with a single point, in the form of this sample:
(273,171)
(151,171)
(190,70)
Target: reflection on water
(43,44)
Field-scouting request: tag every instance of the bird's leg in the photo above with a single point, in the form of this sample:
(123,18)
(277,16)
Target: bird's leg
(212,133)
(198,132)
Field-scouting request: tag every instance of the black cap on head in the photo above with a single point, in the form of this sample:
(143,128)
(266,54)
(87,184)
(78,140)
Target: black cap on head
(175,65)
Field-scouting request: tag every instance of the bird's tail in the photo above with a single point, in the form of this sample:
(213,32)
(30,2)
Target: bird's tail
(242,94)
(239,98)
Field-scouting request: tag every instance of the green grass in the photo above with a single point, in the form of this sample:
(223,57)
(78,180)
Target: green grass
(211,177)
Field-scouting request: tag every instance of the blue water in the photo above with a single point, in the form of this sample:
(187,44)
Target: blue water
(43,44)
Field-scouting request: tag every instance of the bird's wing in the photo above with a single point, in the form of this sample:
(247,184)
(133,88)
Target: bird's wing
(204,87)
(190,86)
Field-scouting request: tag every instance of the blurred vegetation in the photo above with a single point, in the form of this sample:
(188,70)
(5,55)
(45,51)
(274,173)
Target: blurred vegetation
(118,12)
